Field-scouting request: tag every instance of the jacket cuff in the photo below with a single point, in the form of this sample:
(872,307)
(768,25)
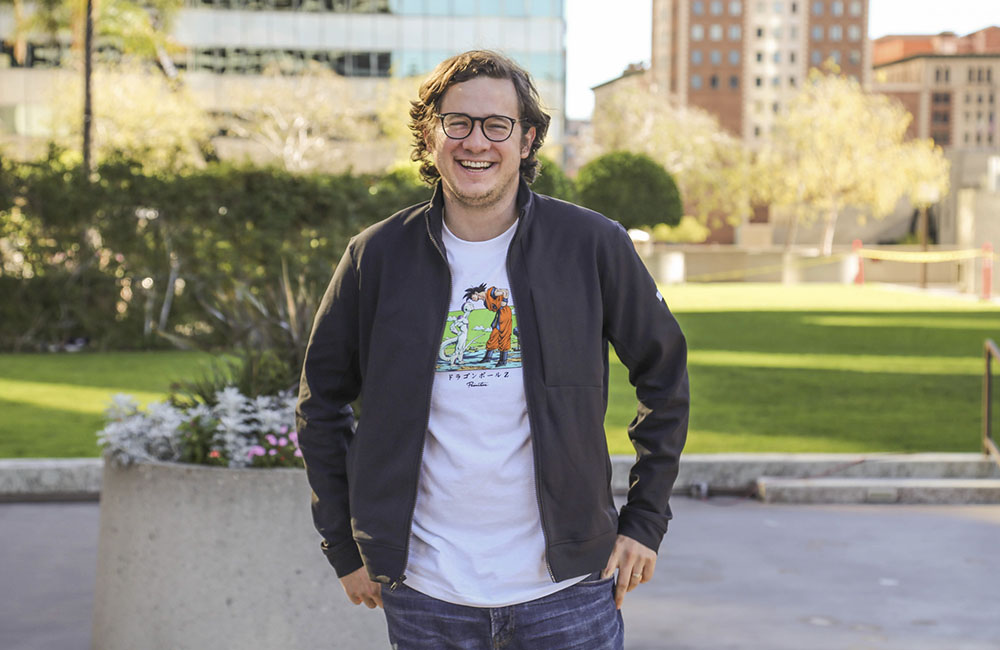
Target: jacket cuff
(644,528)
(344,558)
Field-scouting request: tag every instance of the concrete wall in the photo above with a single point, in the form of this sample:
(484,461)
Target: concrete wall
(194,557)
(673,264)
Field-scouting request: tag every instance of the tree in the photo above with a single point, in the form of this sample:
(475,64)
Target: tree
(837,146)
(138,114)
(631,188)
(552,181)
(710,165)
(302,120)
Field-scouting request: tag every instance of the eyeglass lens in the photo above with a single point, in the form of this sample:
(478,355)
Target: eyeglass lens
(496,128)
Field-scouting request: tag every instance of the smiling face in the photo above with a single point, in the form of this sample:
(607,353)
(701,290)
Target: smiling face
(476,172)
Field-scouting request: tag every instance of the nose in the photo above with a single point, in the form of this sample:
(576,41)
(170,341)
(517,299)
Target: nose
(476,140)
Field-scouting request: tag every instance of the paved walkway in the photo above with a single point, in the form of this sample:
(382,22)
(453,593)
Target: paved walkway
(734,574)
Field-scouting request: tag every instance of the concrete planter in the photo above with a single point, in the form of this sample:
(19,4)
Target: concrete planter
(194,557)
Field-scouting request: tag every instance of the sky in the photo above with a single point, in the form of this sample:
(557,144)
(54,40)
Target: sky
(603,37)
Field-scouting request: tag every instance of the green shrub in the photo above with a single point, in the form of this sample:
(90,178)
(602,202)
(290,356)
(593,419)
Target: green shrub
(552,181)
(630,188)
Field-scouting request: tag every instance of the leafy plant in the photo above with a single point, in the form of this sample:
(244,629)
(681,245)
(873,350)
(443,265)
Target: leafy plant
(631,188)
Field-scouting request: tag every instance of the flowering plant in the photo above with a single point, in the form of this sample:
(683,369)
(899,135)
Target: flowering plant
(236,431)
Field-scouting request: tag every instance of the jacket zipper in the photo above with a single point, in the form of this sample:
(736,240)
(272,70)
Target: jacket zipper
(416,486)
(531,428)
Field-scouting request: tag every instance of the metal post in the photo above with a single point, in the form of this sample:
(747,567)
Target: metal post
(88,112)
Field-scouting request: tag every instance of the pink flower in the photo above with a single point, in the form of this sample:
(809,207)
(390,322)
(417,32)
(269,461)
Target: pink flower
(271,439)
(213,454)
(294,437)
(256,450)
(283,429)
(298,453)
(272,452)
(282,441)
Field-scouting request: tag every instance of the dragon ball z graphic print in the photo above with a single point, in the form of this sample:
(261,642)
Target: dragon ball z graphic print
(482,333)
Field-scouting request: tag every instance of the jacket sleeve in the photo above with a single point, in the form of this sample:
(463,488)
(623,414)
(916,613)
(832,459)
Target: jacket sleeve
(649,342)
(330,381)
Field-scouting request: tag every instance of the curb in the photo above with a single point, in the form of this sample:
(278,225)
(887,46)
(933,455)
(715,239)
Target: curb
(858,478)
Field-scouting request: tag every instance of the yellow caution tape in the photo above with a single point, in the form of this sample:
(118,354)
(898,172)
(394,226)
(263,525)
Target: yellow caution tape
(921,256)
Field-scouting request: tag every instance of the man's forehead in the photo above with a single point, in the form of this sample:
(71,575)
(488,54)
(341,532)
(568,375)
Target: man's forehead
(494,96)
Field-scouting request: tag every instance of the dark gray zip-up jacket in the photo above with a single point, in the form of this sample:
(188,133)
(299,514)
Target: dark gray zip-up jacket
(578,284)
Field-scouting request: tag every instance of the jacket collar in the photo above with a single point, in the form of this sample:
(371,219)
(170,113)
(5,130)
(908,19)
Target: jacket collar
(434,214)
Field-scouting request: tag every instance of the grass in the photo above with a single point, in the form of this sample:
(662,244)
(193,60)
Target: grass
(808,368)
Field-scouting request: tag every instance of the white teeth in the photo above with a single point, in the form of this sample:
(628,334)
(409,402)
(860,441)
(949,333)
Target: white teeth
(475,164)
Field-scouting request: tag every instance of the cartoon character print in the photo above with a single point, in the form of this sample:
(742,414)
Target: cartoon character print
(458,351)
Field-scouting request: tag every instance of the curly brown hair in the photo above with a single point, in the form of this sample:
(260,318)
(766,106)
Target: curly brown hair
(463,67)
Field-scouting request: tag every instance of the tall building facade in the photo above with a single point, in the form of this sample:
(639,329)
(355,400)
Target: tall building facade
(743,60)
(227,42)
(949,83)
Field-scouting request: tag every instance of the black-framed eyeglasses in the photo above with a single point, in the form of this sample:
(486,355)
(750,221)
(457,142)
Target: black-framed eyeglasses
(458,126)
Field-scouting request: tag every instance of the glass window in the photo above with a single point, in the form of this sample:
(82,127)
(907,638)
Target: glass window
(698,7)
(715,56)
(816,57)
(836,32)
(854,32)
(791,81)
(777,33)
(835,55)
(696,57)
(795,7)
(540,8)
(793,32)
(735,32)
(776,57)
(776,81)
(778,7)
(715,32)
(515,8)
(716,7)
(817,32)
(791,56)
(734,57)
(734,81)
(760,32)
(818,8)
(837,8)
(756,131)
(854,57)
(758,82)
(735,8)
(697,32)
(775,107)
(760,57)
(855,7)
(714,81)
(696,81)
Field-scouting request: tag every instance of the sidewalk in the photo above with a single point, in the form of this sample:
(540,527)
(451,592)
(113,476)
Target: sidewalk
(733,574)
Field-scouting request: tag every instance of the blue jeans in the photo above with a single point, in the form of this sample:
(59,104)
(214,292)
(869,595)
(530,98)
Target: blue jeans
(581,617)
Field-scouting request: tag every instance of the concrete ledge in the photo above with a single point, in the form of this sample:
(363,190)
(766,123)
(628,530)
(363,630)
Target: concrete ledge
(878,490)
(58,479)
(739,472)
(50,479)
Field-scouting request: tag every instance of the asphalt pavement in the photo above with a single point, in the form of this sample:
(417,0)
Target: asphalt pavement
(732,574)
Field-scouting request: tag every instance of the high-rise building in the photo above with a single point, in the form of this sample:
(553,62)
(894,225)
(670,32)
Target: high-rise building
(229,42)
(949,83)
(743,60)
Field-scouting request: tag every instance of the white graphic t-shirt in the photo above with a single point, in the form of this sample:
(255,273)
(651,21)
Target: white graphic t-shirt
(477,537)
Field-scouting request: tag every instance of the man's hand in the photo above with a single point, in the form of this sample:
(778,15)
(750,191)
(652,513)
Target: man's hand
(635,564)
(361,589)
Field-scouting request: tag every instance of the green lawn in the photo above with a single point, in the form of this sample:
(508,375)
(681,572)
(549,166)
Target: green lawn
(810,368)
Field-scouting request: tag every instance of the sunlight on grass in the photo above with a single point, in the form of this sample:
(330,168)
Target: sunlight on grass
(743,296)
(67,397)
(849,362)
(888,320)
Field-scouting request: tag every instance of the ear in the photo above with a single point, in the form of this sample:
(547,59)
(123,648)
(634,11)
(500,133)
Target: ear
(428,135)
(526,141)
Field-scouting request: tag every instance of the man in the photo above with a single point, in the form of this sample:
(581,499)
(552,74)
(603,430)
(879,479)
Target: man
(475,506)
